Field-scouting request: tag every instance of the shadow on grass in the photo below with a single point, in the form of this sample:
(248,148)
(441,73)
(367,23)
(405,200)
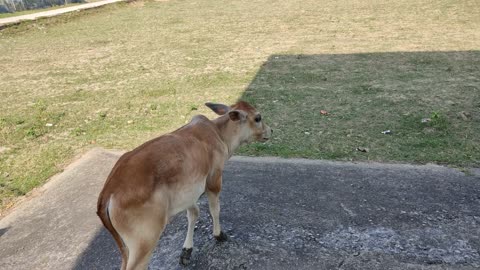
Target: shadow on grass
(365,94)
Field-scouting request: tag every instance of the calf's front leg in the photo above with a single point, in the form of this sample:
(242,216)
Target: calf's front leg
(214,186)
(214,205)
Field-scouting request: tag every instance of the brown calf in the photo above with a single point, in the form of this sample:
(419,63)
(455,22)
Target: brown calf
(164,176)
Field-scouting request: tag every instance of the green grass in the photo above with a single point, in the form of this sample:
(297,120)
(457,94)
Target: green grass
(366,94)
(119,75)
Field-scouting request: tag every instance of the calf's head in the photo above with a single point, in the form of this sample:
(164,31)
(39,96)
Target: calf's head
(247,122)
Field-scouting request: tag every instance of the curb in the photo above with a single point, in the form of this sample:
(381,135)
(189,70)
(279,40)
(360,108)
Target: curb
(51,13)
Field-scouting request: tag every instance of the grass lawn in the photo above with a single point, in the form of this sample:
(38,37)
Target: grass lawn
(119,75)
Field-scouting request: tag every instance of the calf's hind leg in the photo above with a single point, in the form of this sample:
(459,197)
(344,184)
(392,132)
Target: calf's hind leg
(192,216)
(140,231)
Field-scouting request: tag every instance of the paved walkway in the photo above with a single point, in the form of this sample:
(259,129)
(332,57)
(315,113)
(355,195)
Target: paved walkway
(29,17)
(280,214)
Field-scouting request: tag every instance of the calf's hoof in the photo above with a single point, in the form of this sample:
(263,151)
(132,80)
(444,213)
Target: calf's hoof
(185,256)
(222,237)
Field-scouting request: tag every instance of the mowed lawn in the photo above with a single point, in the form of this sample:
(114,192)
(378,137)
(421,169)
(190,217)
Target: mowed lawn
(117,76)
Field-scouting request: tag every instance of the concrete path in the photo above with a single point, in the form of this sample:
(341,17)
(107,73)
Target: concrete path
(280,214)
(29,17)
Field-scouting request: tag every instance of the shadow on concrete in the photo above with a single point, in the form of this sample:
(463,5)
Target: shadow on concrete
(302,216)
(102,253)
(284,215)
(3,231)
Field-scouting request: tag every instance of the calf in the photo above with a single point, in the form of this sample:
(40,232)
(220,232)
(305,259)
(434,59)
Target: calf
(165,176)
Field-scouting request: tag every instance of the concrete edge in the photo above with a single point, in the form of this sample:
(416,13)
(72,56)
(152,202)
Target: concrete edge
(375,165)
(311,162)
(38,191)
(51,13)
(76,161)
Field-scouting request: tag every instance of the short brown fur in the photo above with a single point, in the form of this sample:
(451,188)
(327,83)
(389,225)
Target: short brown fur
(167,175)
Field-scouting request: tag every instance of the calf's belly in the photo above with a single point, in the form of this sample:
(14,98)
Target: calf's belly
(186,196)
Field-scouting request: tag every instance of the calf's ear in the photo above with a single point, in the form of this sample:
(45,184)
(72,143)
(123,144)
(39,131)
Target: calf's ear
(237,115)
(218,108)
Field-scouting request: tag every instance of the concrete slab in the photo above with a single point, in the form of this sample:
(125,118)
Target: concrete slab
(280,214)
(50,13)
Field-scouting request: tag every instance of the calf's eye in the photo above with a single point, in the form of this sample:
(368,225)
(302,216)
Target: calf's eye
(258,118)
